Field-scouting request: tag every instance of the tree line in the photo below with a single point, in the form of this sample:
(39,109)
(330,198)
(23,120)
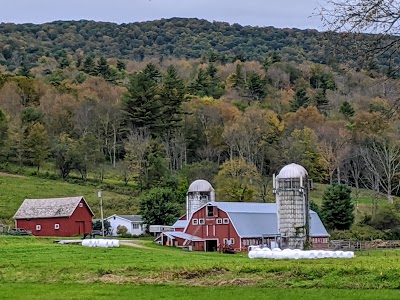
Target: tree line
(162,124)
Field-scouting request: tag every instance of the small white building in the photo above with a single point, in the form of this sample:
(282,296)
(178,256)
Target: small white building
(134,224)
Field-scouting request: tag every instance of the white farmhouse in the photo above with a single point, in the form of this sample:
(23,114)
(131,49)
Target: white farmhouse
(133,223)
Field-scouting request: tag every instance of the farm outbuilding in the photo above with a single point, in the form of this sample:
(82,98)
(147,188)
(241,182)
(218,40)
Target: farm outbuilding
(68,216)
(133,224)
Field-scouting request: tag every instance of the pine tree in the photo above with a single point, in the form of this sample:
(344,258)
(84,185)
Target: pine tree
(102,68)
(121,65)
(337,209)
(172,96)
(255,86)
(37,145)
(321,102)
(238,79)
(300,99)
(141,103)
(347,110)
(89,66)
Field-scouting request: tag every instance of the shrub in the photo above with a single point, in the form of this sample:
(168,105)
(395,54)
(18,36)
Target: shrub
(122,230)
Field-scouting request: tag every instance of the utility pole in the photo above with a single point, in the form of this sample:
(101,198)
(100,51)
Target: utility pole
(101,212)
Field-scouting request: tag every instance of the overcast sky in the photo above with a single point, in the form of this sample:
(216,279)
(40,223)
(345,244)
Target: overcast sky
(278,13)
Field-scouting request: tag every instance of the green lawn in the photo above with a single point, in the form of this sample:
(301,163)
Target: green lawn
(13,191)
(26,263)
(152,292)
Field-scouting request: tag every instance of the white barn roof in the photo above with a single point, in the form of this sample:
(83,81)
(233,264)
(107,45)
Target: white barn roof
(48,208)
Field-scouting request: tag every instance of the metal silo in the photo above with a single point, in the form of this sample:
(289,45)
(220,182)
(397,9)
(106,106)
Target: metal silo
(200,192)
(292,198)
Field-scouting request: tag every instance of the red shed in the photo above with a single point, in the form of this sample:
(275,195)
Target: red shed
(55,217)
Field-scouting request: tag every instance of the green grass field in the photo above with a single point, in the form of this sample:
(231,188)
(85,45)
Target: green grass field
(13,191)
(36,268)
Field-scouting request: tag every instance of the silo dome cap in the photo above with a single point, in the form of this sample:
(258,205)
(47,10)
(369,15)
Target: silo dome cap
(292,171)
(200,186)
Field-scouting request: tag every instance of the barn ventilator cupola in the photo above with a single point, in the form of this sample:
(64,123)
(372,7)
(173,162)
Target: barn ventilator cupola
(291,188)
(199,193)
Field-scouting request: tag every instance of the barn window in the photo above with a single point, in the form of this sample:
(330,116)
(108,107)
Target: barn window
(225,241)
(81,204)
(232,241)
(195,221)
(56,226)
(202,221)
(219,221)
(38,227)
(226,221)
(210,211)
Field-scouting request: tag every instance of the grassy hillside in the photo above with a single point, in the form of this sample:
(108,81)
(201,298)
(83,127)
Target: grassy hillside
(14,189)
(38,265)
(364,203)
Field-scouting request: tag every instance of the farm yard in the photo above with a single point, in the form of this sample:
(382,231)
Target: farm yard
(52,271)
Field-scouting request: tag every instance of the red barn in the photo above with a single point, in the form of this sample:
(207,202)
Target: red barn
(237,224)
(55,217)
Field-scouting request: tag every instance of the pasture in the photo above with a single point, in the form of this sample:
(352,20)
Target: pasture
(14,189)
(43,270)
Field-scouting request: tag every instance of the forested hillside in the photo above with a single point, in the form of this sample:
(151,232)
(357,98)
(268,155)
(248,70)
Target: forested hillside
(24,44)
(86,106)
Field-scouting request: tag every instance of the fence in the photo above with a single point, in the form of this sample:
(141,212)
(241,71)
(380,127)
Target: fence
(362,245)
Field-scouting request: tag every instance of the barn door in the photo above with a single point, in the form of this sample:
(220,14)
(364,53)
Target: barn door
(81,227)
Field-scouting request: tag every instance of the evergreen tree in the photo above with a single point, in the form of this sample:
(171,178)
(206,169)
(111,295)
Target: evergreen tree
(212,71)
(89,66)
(102,68)
(238,79)
(24,71)
(172,95)
(121,65)
(255,86)
(347,110)
(337,209)
(321,102)
(141,103)
(300,99)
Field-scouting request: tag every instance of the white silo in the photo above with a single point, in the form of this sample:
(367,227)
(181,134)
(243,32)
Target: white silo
(200,192)
(292,198)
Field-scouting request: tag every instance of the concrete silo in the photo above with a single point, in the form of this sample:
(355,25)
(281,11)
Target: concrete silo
(292,197)
(200,192)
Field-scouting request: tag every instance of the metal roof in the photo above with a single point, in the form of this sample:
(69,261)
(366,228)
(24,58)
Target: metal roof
(256,219)
(48,208)
(254,224)
(182,235)
(131,218)
(292,171)
(246,207)
(180,224)
(200,186)
(317,229)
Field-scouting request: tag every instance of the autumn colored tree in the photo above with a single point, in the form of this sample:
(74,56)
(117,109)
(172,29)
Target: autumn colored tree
(37,145)
(236,181)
